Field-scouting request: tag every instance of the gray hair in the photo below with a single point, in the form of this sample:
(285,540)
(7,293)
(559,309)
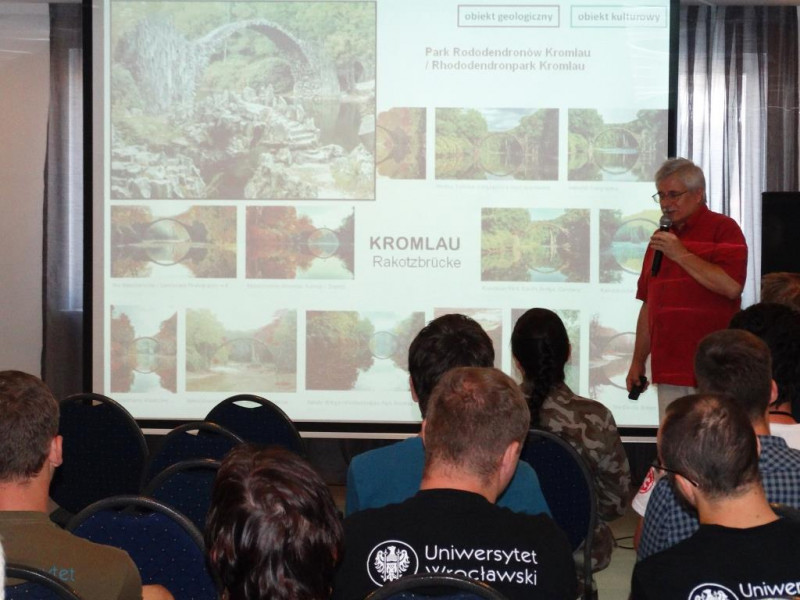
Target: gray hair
(689,173)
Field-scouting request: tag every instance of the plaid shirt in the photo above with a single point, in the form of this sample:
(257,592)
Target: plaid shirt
(668,521)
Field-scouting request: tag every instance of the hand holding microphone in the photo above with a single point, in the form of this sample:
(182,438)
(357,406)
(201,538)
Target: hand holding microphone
(663,225)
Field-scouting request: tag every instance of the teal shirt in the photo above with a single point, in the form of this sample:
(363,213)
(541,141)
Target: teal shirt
(393,473)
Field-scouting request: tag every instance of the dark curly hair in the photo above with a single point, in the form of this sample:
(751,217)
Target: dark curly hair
(273,530)
(540,345)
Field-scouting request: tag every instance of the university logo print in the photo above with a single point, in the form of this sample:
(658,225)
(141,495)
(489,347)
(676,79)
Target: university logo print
(390,560)
(711,591)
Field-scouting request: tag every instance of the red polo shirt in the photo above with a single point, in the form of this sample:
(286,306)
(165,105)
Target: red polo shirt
(681,311)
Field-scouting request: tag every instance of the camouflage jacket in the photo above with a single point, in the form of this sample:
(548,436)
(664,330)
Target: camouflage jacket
(590,428)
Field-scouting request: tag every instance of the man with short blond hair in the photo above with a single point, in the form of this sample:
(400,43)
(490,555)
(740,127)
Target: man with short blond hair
(474,428)
(392,474)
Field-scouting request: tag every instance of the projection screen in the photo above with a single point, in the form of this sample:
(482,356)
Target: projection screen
(286,192)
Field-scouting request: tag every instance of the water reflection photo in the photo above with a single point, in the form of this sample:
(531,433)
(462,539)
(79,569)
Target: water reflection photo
(173,240)
(615,144)
(541,245)
(611,343)
(497,143)
(308,242)
(143,349)
(242,100)
(350,350)
(241,349)
(624,238)
(400,143)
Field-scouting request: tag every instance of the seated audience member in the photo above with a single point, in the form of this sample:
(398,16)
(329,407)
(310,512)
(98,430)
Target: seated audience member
(392,473)
(737,364)
(30,452)
(741,548)
(782,288)
(779,326)
(541,348)
(474,428)
(273,530)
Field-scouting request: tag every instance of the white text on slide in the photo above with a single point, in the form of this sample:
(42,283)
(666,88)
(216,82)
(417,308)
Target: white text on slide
(512,60)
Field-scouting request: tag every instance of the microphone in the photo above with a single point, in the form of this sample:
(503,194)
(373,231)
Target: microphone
(663,225)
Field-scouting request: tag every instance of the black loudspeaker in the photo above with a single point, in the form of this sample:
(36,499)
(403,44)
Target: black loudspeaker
(780,232)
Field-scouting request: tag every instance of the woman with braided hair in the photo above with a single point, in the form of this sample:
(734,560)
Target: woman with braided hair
(541,349)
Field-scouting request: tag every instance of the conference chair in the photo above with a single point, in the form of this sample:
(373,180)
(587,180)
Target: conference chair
(199,439)
(37,585)
(258,421)
(166,547)
(568,487)
(422,586)
(186,486)
(104,452)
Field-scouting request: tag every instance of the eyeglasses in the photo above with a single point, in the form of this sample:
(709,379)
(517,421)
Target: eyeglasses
(660,467)
(659,197)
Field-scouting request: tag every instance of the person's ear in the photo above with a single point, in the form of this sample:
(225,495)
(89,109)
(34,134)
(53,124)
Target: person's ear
(520,370)
(56,455)
(773,393)
(413,391)
(508,464)
(422,431)
(686,488)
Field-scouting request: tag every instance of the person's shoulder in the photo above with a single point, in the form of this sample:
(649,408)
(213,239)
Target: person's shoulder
(663,499)
(723,222)
(109,555)
(117,564)
(386,461)
(369,516)
(566,404)
(790,432)
(651,569)
(521,521)
(399,451)
(776,454)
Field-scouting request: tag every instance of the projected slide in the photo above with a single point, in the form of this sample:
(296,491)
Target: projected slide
(287,192)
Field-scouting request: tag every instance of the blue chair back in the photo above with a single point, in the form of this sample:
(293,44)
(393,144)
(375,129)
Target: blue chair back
(166,547)
(568,487)
(104,452)
(199,439)
(186,486)
(258,421)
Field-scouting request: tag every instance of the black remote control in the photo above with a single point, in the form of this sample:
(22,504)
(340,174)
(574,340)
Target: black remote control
(638,388)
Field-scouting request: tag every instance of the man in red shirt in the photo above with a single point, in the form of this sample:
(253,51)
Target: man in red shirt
(697,288)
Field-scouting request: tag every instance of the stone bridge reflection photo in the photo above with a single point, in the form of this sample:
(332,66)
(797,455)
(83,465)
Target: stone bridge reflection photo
(241,100)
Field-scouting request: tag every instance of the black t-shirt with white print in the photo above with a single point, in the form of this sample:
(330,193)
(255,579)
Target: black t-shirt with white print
(450,531)
(723,563)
